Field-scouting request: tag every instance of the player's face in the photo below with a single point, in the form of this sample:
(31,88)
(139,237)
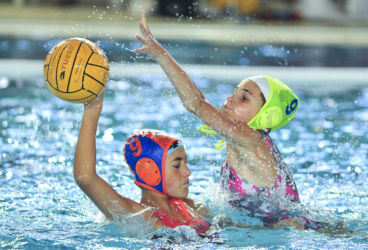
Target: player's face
(177,173)
(244,103)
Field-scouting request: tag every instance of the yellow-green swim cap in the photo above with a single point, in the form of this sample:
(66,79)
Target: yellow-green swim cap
(280,107)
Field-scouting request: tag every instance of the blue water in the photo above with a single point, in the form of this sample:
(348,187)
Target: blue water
(326,147)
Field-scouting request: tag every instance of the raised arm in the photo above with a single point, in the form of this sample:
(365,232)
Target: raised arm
(190,95)
(179,78)
(98,190)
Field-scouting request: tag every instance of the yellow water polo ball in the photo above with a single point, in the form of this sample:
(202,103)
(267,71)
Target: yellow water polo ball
(76,70)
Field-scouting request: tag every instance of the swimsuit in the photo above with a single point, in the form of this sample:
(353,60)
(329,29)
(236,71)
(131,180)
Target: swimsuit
(192,219)
(270,204)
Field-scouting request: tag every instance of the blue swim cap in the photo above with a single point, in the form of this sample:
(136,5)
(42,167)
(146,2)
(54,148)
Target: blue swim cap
(145,152)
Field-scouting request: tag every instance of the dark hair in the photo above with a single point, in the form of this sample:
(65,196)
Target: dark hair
(174,145)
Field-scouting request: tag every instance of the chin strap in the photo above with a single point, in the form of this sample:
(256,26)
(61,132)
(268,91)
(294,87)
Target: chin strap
(180,206)
(220,145)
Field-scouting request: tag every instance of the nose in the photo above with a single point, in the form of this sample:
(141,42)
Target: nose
(186,171)
(230,99)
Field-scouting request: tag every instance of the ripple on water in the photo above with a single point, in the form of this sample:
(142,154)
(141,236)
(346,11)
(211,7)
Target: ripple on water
(41,206)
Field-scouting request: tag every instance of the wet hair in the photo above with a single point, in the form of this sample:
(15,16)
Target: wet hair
(174,145)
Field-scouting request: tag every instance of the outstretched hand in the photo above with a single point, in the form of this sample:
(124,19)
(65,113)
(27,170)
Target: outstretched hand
(95,104)
(150,45)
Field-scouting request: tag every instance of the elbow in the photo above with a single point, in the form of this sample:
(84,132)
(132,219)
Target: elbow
(194,105)
(83,178)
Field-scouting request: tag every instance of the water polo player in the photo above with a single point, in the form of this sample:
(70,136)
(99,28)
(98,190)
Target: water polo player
(159,164)
(254,172)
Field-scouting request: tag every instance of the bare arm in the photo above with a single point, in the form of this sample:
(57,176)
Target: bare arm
(238,134)
(179,78)
(190,95)
(98,190)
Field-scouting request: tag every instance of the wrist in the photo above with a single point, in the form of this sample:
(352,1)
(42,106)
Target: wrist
(162,55)
(92,111)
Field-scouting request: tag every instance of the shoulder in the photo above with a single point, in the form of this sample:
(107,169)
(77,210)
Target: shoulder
(199,208)
(189,202)
(151,215)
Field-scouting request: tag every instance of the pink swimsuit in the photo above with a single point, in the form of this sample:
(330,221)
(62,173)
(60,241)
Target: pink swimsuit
(270,204)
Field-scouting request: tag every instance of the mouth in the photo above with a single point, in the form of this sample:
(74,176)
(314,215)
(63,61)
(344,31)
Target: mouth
(186,183)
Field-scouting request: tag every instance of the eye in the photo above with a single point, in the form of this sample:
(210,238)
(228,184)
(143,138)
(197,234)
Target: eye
(244,98)
(177,166)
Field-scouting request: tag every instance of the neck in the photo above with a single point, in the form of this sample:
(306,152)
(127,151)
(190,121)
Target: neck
(153,199)
(163,202)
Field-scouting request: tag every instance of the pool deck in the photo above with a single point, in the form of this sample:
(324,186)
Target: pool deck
(49,22)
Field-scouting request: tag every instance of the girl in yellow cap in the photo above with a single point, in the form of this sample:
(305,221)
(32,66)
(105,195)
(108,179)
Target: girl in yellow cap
(253,172)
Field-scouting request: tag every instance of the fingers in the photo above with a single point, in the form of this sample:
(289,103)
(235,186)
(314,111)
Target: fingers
(96,102)
(141,50)
(101,95)
(140,39)
(144,21)
(147,38)
(143,30)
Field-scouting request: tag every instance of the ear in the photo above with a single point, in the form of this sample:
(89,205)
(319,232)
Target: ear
(270,117)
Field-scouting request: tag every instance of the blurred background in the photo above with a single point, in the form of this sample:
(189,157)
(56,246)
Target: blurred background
(275,10)
(327,33)
(228,32)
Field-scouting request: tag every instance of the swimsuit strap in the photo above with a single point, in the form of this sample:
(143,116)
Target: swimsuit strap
(180,206)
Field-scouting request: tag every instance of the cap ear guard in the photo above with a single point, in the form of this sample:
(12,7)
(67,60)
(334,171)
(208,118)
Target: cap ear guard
(270,118)
(279,108)
(145,153)
(148,171)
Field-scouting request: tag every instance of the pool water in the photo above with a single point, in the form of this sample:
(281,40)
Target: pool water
(326,147)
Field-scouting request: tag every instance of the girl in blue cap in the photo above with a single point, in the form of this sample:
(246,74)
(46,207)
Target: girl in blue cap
(259,182)
(159,164)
